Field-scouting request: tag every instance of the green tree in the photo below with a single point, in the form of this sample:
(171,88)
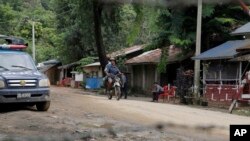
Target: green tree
(16,19)
(7,15)
(178,25)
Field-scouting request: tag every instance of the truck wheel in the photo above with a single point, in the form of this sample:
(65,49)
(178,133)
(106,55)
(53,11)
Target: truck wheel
(43,106)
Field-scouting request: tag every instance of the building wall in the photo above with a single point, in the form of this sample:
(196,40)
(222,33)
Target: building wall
(94,71)
(222,72)
(137,76)
(221,79)
(223,94)
(144,76)
(61,74)
(150,71)
(53,75)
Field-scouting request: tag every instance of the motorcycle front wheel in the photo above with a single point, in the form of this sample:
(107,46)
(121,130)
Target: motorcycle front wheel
(118,92)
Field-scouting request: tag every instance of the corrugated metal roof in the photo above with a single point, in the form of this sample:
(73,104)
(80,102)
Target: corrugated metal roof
(53,61)
(244,48)
(93,64)
(69,65)
(150,57)
(242,58)
(153,56)
(126,51)
(243,30)
(45,68)
(226,50)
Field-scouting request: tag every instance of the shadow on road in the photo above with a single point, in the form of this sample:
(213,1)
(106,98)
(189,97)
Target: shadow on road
(5,108)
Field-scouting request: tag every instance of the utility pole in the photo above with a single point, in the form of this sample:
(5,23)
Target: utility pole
(198,50)
(33,42)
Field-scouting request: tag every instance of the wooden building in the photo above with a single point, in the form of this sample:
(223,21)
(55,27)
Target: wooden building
(224,69)
(50,69)
(93,70)
(93,75)
(143,68)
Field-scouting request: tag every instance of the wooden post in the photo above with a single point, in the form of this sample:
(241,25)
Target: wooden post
(232,106)
(132,76)
(220,74)
(198,50)
(204,80)
(220,78)
(240,73)
(143,77)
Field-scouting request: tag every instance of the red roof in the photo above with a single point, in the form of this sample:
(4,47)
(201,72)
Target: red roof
(153,56)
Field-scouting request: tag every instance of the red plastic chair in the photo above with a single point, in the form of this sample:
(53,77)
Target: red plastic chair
(165,93)
(171,93)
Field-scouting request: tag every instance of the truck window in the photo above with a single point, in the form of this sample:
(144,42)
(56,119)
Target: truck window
(16,62)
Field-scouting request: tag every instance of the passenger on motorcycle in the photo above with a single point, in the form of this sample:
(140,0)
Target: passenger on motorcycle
(111,70)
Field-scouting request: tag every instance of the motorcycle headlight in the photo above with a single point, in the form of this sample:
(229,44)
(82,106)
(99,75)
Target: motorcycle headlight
(2,84)
(44,83)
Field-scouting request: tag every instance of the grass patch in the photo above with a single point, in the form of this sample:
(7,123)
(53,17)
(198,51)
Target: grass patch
(243,112)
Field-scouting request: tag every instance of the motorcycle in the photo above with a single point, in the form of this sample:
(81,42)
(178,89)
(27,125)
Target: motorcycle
(114,83)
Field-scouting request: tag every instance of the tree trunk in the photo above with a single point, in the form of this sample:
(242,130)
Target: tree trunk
(97,7)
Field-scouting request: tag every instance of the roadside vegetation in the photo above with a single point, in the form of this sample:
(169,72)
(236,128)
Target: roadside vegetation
(71,30)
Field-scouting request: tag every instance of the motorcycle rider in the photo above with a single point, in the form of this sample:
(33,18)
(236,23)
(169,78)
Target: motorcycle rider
(111,69)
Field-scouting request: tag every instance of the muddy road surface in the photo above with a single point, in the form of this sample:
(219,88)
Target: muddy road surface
(77,115)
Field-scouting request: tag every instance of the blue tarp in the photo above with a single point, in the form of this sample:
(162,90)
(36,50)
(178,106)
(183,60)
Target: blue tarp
(93,83)
(245,29)
(226,50)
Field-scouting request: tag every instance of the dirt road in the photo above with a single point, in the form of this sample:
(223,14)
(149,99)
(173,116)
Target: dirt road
(77,115)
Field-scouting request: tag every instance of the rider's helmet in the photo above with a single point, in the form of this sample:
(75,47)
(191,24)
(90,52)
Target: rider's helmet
(112,59)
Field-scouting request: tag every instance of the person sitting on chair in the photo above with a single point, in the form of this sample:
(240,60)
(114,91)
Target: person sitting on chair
(157,90)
